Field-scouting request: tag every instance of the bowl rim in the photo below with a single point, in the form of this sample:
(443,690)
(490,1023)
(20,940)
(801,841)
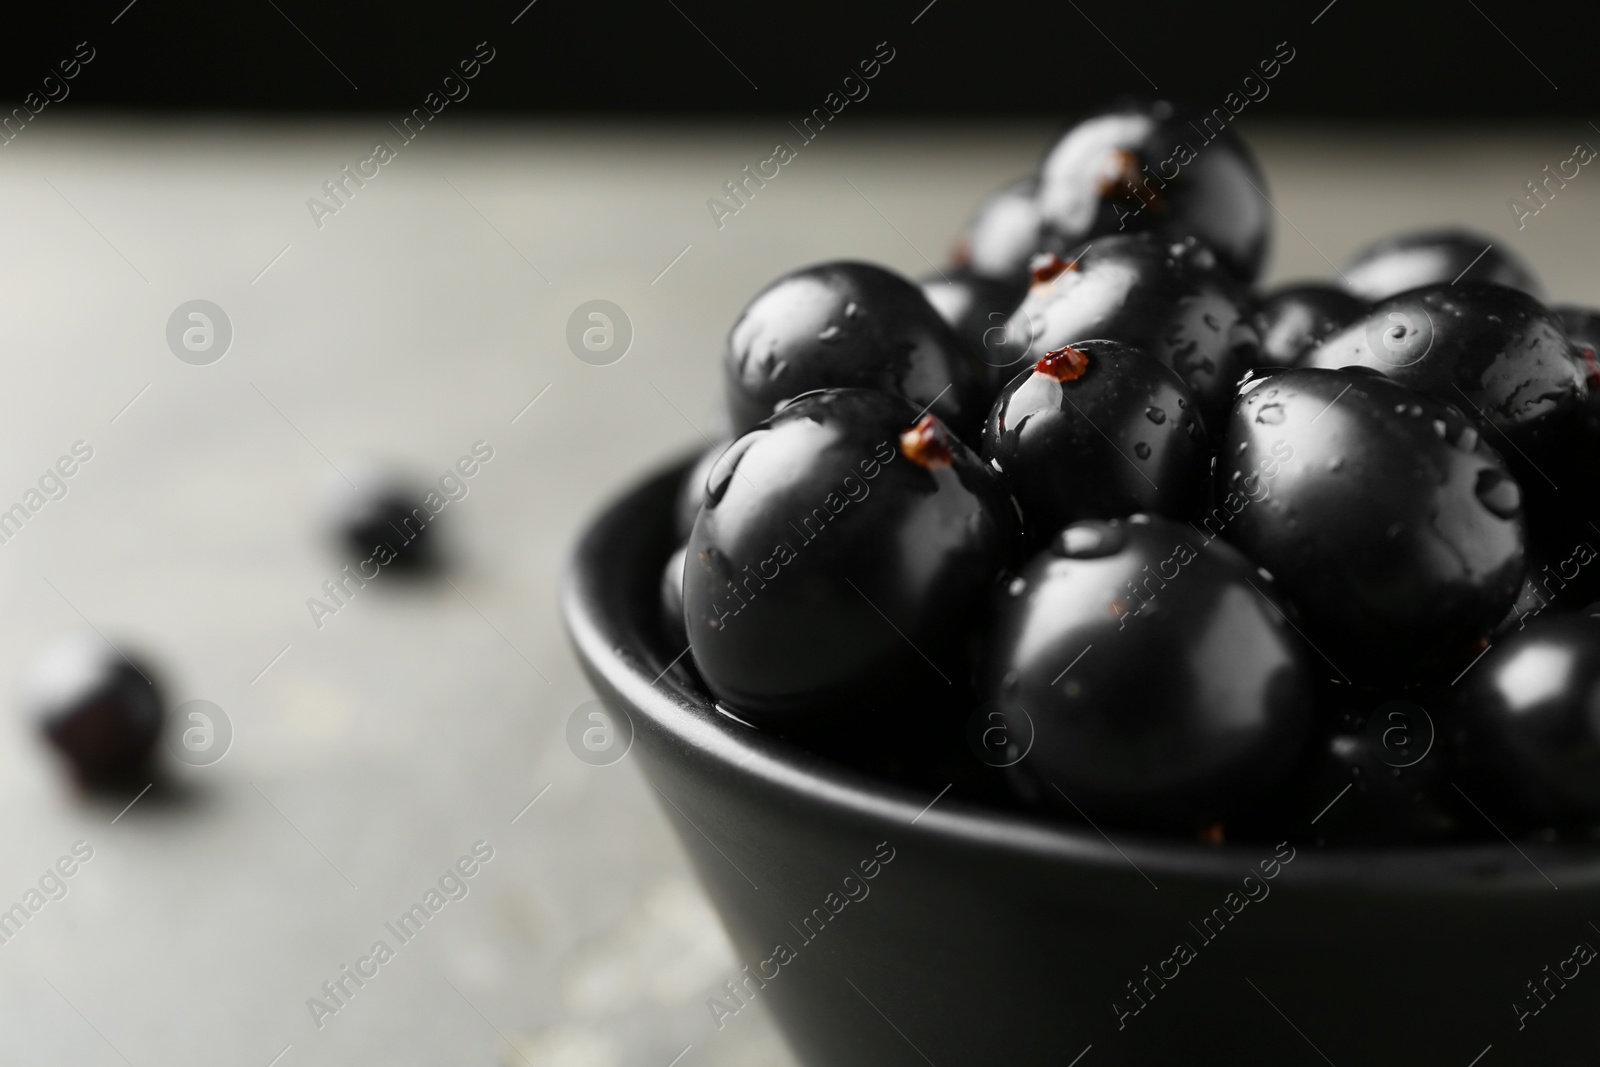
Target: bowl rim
(609,649)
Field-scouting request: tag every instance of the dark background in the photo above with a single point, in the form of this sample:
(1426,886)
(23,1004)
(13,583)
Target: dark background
(644,57)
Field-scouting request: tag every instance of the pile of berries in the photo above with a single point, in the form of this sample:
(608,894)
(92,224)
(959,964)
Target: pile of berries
(1088,524)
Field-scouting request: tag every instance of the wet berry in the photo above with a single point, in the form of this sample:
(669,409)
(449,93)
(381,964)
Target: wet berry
(1163,682)
(834,572)
(1387,520)
(1503,359)
(1153,166)
(1168,299)
(1097,430)
(1496,353)
(845,324)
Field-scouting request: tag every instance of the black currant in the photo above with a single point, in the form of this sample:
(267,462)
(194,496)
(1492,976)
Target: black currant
(1386,518)
(850,325)
(1003,235)
(1163,682)
(842,551)
(1158,167)
(1167,298)
(1495,352)
(101,711)
(386,511)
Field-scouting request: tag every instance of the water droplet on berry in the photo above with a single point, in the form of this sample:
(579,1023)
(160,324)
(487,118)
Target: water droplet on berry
(1141,450)
(1155,415)
(1271,414)
(1499,493)
(830,334)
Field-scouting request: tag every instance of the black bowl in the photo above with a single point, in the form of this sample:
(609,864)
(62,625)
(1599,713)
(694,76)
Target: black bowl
(986,936)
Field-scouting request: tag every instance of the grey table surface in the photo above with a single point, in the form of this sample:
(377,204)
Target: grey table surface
(372,751)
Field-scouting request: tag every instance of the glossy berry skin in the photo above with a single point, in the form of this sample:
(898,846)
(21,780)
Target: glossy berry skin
(692,491)
(849,325)
(977,308)
(672,599)
(1526,722)
(1097,430)
(1434,257)
(1168,299)
(1162,689)
(1293,319)
(836,566)
(99,711)
(1496,353)
(1003,235)
(1146,167)
(1390,524)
